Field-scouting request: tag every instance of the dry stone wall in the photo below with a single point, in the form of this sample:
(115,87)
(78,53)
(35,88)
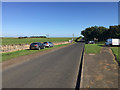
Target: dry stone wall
(11,48)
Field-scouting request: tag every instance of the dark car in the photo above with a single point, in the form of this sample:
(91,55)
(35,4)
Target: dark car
(37,46)
(48,44)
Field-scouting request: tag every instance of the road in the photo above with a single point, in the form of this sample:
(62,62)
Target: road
(57,69)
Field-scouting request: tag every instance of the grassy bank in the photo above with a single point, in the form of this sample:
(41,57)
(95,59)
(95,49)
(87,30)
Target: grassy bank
(102,42)
(116,51)
(92,48)
(10,55)
(8,41)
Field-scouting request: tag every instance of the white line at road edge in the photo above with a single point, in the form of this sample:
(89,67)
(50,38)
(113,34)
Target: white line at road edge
(78,83)
(78,69)
(81,81)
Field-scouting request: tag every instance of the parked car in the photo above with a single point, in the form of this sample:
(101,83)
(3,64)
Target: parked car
(108,42)
(114,42)
(37,45)
(90,42)
(48,44)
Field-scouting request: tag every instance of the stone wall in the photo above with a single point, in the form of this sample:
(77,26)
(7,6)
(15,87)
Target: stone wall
(11,48)
(58,43)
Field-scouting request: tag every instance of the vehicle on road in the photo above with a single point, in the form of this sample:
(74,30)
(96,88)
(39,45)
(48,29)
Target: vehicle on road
(108,42)
(112,42)
(48,44)
(37,46)
(90,42)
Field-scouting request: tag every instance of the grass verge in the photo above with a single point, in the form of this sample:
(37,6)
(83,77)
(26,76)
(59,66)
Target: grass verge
(10,55)
(116,52)
(92,48)
(102,42)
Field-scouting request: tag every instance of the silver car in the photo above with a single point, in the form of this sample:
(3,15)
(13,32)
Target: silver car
(91,42)
(108,42)
(48,44)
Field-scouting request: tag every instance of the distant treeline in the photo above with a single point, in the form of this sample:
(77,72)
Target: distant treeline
(33,37)
(101,33)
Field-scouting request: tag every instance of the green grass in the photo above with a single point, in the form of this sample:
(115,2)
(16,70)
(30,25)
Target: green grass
(92,48)
(101,42)
(10,55)
(9,41)
(116,51)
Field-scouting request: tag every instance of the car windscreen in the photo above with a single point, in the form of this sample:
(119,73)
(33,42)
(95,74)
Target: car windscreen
(109,40)
(45,42)
(34,43)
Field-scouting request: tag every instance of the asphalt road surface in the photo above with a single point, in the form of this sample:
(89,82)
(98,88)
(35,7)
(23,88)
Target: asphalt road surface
(57,69)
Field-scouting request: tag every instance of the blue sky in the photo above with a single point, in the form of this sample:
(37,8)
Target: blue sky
(57,19)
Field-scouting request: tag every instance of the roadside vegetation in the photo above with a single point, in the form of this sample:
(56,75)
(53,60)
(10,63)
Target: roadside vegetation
(93,48)
(102,42)
(101,33)
(10,41)
(10,55)
(116,51)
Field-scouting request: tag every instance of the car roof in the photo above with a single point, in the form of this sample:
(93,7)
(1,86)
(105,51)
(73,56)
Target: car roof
(36,42)
(48,42)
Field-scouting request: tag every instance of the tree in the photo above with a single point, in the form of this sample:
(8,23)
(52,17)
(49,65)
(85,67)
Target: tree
(114,31)
(95,32)
(101,33)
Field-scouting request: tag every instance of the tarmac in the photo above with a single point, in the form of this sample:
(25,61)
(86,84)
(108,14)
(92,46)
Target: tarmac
(56,69)
(100,70)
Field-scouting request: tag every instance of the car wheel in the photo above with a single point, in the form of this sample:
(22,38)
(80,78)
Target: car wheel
(44,47)
(39,48)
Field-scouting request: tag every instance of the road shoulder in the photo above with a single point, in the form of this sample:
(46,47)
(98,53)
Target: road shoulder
(100,70)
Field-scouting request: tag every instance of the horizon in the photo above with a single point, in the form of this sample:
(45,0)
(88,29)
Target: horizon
(41,38)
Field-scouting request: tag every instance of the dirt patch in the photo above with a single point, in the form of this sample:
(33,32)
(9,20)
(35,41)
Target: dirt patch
(109,66)
(20,59)
(99,77)
(91,54)
(106,68)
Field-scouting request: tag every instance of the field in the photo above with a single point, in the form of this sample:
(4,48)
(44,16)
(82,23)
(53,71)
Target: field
(92,48)
(116,51)
(9,41)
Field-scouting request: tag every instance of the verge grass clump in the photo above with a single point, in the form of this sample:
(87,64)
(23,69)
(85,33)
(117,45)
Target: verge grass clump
(93,48)
(116,52)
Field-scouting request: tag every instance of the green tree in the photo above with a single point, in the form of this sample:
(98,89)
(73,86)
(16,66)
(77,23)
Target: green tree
(95,32)
(114,31)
